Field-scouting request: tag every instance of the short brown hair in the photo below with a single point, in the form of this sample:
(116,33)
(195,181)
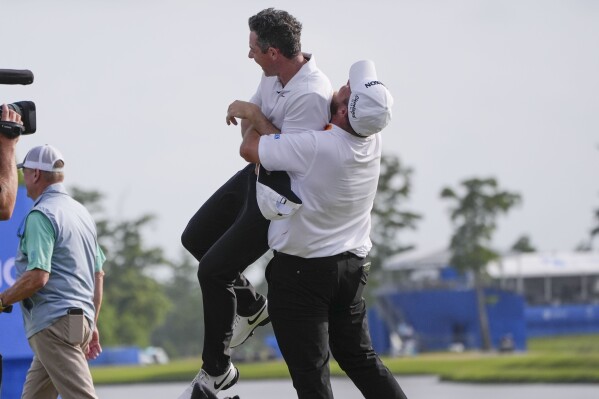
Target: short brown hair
(278,29)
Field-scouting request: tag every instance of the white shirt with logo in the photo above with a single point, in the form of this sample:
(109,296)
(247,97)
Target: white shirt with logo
(336,176)
(303,104)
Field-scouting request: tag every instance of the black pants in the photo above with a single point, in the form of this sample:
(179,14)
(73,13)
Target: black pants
(226,235)
(316,305)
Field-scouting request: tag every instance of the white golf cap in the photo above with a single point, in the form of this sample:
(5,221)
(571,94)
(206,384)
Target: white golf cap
(370,102)
(275,198)
(42,157)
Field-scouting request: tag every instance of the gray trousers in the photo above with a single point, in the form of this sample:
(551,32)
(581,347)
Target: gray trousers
(59,366)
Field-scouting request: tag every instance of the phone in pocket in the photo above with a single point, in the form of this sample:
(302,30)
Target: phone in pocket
(75,334)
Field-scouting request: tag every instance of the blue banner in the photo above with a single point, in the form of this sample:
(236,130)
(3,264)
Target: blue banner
(13,343)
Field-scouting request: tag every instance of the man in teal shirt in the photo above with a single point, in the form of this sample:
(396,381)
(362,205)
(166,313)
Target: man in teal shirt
(59,284)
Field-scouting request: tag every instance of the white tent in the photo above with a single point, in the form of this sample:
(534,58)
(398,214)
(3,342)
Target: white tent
(413,260)
(545,264)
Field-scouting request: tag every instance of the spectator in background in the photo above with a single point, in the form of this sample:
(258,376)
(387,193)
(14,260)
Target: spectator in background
(59,283)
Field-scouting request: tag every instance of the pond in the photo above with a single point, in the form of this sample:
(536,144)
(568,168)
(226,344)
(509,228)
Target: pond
(422,387)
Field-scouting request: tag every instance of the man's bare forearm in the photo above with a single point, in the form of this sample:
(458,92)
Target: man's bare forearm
(262,125)
(98,293)
(245,125)
(253,125)
(8,177)
(250,115)
(28,284)
(250,145)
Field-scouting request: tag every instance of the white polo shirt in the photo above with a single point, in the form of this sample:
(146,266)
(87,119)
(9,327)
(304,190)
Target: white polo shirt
(336,176)
(303,104)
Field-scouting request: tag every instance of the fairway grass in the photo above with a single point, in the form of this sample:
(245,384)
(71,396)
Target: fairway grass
(572,359)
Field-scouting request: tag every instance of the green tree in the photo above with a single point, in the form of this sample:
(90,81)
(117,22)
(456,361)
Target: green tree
(586,245)
(134,302)
(473,216)
(388,215)
(523,245)
(595,230)
(182,332)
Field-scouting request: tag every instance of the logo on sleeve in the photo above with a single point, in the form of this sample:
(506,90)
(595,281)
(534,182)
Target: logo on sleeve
(277,136)
(352,105)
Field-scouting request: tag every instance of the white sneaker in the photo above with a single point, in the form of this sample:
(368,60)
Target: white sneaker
(214,384)
(243,327)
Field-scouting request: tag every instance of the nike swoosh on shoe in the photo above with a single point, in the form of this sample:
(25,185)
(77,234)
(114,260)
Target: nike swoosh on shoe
(251,322)
(217,386)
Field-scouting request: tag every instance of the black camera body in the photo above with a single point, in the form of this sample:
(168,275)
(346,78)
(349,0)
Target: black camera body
(24,108)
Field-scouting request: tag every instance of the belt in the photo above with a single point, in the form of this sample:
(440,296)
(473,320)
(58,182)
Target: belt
(343,255)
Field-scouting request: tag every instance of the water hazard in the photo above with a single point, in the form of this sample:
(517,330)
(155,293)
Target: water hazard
(425,387)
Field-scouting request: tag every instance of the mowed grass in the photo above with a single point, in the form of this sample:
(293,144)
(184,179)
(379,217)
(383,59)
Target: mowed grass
(567,344)
(571,359)
(181,370)
(529,367)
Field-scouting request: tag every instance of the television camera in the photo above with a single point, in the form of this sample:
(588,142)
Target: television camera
(24,108)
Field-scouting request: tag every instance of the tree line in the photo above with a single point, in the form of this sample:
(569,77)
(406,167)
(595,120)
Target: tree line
(141,309)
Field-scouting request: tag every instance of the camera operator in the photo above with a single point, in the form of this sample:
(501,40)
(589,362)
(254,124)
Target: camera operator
(12,125)
(8,168)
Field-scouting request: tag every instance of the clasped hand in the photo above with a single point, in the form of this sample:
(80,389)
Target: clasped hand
(242,110)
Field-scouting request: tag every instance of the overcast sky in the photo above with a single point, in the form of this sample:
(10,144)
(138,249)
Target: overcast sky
(134,93)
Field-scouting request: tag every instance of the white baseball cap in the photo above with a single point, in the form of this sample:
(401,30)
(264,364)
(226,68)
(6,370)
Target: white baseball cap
(275,198)
(369,102)
(42,157)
